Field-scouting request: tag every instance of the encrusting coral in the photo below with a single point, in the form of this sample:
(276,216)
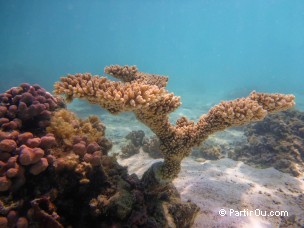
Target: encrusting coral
(146,96)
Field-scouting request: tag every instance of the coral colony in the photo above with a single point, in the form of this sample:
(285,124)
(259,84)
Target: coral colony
(54,166)
(145,95)
(277,142)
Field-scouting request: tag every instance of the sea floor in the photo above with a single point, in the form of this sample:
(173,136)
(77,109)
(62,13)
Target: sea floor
(235,188)
(248,195)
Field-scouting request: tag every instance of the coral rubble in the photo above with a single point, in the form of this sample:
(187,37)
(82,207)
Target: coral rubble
(276,141)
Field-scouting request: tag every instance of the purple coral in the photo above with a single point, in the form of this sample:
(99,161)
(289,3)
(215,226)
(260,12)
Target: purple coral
(26,103)
(21,153)
(23,109)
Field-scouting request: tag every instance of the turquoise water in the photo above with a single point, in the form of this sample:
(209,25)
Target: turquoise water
(211,50)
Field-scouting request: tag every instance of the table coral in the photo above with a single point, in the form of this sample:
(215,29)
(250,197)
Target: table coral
(146,96)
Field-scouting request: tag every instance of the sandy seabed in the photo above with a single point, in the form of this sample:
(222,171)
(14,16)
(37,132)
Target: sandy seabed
(235,188)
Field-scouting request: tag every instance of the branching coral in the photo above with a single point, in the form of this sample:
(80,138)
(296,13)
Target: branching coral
(145,95)
(66,125)
(81,142)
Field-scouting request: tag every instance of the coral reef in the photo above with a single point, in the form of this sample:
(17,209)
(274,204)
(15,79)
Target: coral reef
(67,178)
(54,167)
(25,111)
(277,141)
(145,95)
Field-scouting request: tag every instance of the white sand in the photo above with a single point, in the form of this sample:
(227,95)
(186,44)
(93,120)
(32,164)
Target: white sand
(227,184)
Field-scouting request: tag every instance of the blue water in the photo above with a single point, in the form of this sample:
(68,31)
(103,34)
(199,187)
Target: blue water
(211,49)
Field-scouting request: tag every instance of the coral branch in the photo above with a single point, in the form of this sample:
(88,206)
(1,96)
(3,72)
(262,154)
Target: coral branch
(145,95)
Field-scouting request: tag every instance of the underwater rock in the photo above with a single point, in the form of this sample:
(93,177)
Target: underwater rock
(164,201)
